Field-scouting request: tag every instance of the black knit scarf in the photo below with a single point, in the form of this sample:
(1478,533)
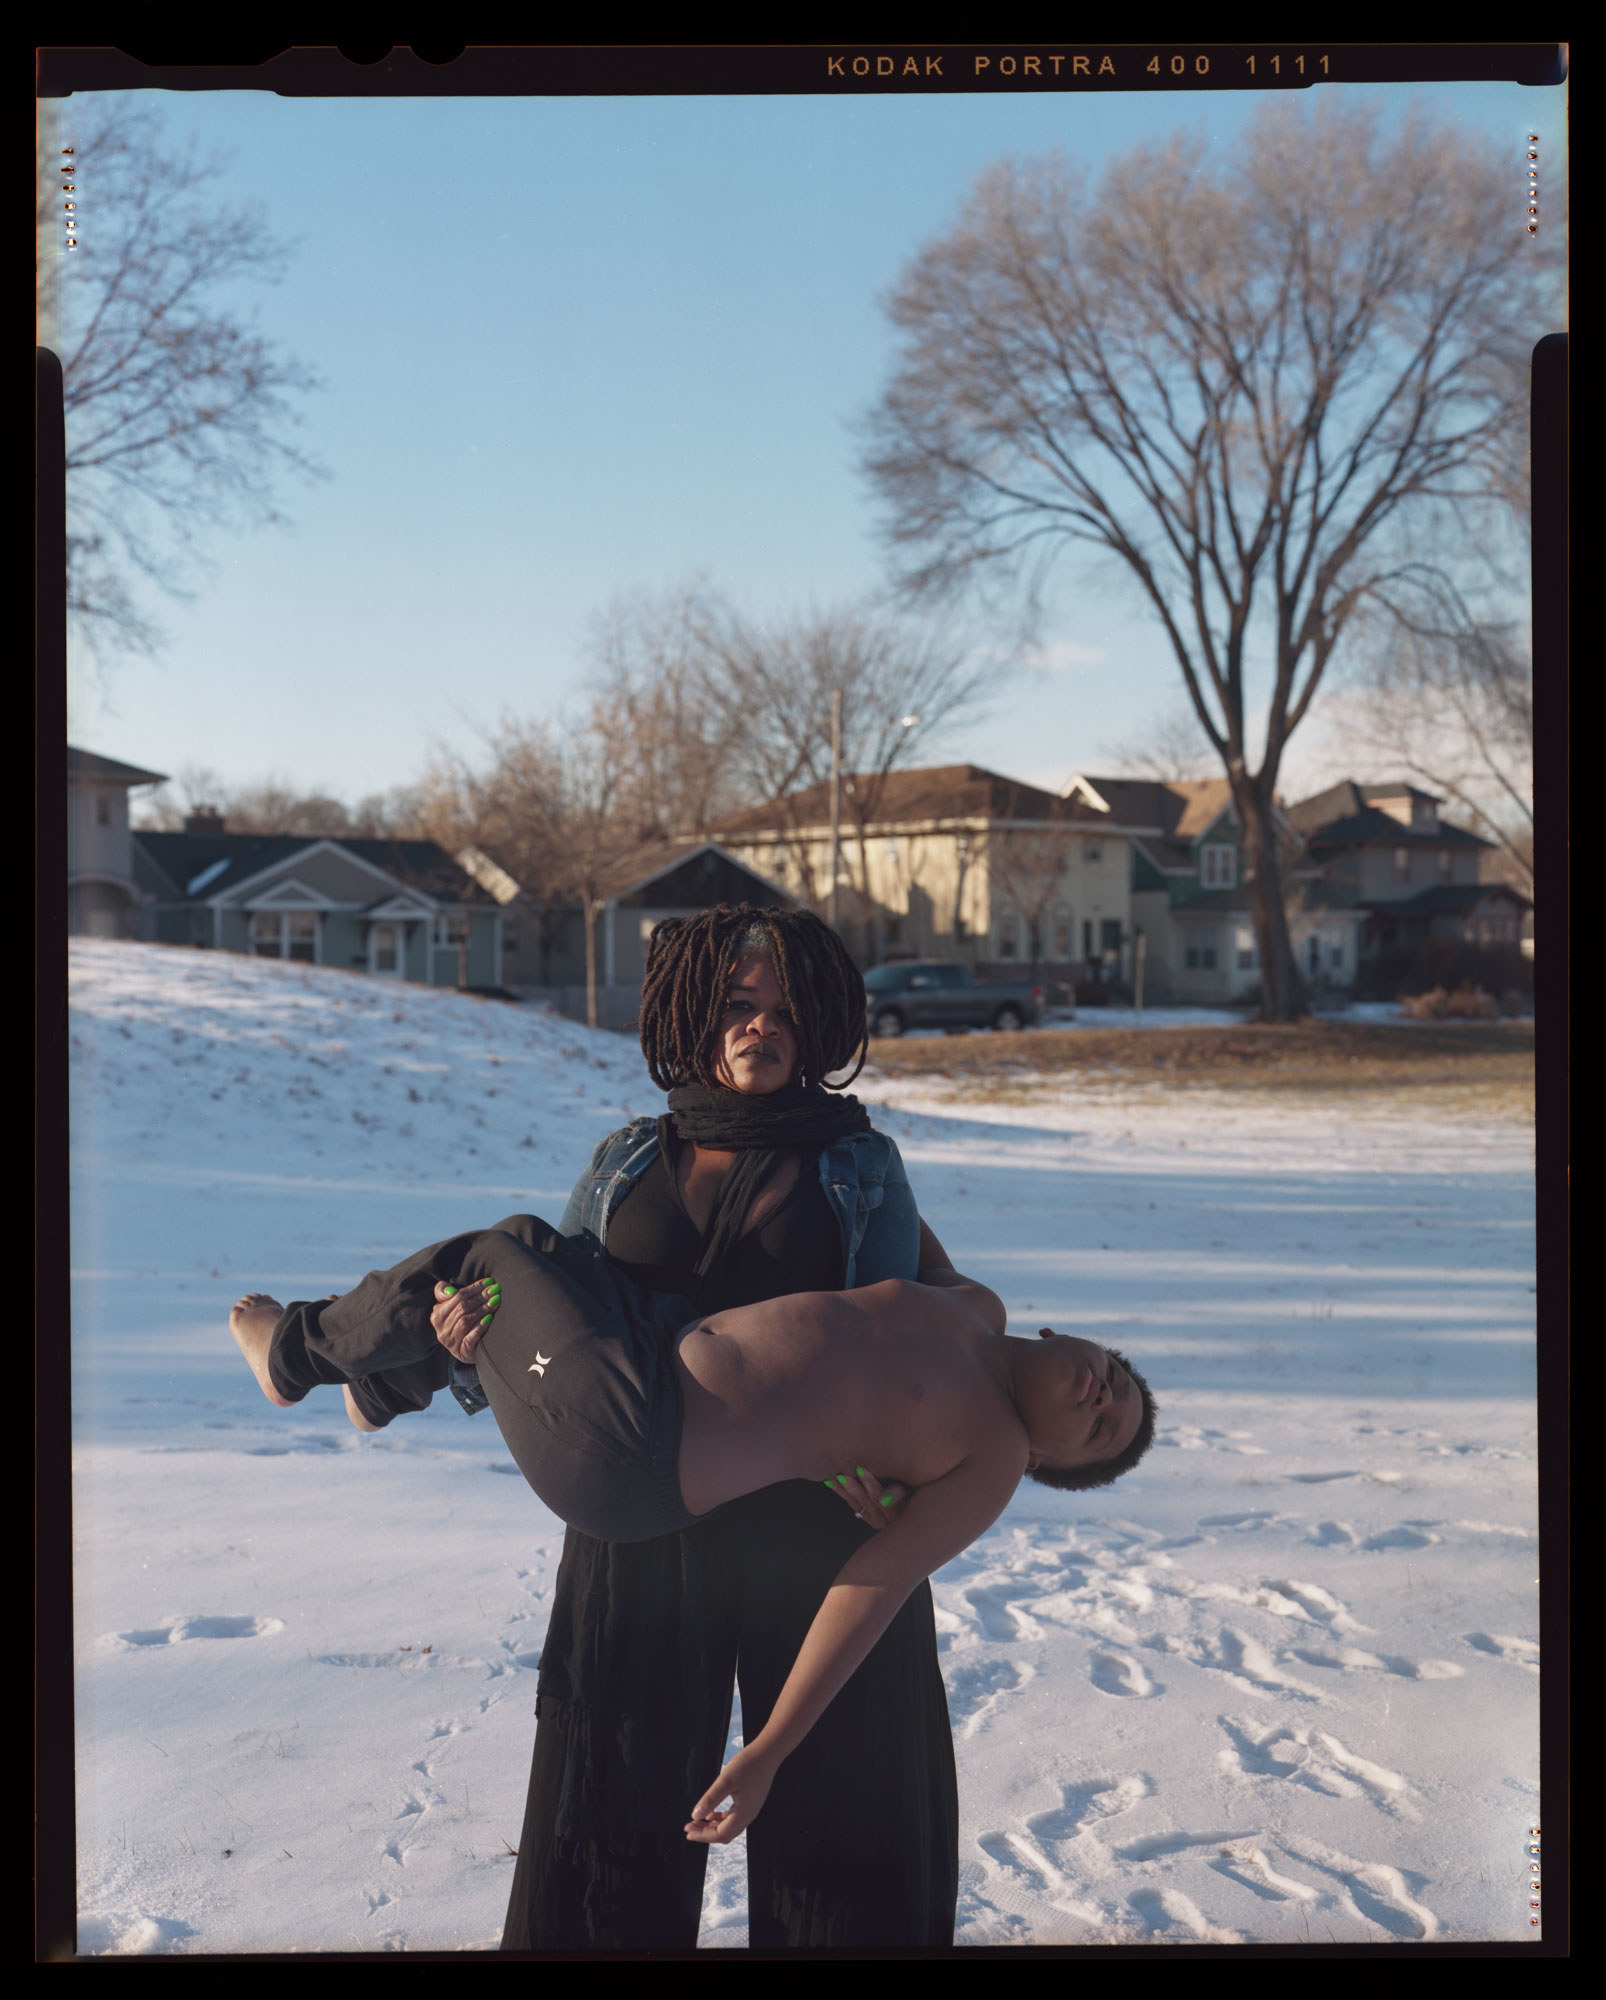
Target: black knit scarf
(759,1129)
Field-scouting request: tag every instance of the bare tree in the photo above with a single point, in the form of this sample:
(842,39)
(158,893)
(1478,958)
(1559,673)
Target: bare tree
(675,724)
(1239,377)
(177,409)
(899,689)
(1171,747)
(276,805)
(1446,697)
(1028,864)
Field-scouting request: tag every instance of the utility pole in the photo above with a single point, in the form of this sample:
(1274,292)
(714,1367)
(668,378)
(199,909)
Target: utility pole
(836,797)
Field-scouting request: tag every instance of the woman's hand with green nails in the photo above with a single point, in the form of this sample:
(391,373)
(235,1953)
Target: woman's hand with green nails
(462,1316)
(874,1503)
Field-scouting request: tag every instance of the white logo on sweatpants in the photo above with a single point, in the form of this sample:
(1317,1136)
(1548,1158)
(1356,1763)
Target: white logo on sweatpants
(540,1364)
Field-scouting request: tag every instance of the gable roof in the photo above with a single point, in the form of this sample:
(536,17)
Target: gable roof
(943,792)
(211,864)
(638,870)
(86,764)
(1345,816)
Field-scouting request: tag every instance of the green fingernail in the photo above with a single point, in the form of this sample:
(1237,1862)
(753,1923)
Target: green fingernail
(886,1499)
(860,1471)
(830,1486)
(486,1321)
(451,1291)
(842,1479)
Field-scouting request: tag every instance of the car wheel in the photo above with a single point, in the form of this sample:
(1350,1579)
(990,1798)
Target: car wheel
(1009,1020)
(888,1023)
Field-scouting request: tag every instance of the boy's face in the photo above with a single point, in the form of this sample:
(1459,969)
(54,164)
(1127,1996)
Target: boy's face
(1081,1407)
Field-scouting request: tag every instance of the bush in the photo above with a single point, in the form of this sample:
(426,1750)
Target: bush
(1466,1003)
(1441,962)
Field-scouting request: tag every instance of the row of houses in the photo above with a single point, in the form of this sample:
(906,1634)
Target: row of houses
(953,862)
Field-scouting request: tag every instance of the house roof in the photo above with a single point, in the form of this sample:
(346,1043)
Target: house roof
(213,863)
(942,792)
(86,764)
(1345,816)
(645,865)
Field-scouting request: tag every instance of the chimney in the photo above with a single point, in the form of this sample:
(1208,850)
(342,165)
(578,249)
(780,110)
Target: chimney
(204,819)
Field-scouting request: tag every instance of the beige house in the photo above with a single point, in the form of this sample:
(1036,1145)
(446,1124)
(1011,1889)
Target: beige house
(959,862)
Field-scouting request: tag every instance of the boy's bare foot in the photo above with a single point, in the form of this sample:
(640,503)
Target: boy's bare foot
(355,1414)
(252,1322)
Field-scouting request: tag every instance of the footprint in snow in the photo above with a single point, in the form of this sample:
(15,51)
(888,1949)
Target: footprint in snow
(1519,1652)
(1409,1535)
(1333,1535)
(975,1690)
(1168,1913)
(1118,1673)
(201,1628)
(1377,1892)
(1316,1760)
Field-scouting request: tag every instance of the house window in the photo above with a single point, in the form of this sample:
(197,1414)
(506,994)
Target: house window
(103,809)
(384,948)
(1444,860)
(1110,939)
(1007,942)
(1244,944)
(1200,952)
(894,930)
(285,934)
(1335,955)
(1313,955)
(1092,850)
(1219,867)
(1087,937)
(1402,864)
(1063,931)
(1036,930)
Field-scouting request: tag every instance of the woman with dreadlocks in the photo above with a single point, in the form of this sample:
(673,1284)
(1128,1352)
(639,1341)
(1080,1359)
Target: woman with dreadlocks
(760,1181)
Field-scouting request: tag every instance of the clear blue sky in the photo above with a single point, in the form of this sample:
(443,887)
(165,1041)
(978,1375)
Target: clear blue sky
(574,348)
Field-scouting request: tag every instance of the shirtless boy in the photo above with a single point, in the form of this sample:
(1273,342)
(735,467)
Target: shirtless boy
(629,1433)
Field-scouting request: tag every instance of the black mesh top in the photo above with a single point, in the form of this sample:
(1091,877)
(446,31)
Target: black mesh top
(798,1248)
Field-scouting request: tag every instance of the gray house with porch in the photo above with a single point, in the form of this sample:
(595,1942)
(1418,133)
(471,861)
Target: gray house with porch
(400,909)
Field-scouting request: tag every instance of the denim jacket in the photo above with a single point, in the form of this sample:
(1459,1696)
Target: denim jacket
(864,1182)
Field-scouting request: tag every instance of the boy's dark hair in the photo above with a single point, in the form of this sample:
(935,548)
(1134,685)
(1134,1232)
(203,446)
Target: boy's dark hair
(1080,1478)
(687,982)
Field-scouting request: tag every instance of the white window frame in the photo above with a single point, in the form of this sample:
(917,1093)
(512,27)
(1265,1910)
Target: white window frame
(1218,866)
(399,930)
(284,917)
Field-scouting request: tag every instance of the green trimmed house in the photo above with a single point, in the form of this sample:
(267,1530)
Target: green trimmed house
(1190,898)
(401,909)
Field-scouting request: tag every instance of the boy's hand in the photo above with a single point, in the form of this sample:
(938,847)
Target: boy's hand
(460,1317)
(874,1503)
(746,1781)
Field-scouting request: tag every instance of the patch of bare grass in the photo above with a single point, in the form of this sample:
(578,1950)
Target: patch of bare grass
(1461,1068)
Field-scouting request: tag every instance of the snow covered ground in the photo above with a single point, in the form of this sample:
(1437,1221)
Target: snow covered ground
(1281,1684)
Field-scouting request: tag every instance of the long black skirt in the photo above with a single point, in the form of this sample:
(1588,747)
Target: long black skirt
(858,1843)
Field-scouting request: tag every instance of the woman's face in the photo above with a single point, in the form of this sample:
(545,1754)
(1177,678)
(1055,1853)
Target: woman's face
(757,1047)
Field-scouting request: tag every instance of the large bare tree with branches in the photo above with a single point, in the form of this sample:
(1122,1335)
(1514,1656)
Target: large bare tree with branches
(178,411)
(1240,377)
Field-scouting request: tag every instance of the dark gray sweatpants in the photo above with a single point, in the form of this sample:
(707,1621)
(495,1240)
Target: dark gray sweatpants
(578,1365)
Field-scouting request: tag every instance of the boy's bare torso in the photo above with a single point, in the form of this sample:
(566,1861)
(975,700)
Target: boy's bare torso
(896,1376)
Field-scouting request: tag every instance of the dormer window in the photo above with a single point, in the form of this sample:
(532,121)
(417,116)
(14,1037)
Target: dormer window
(1218,866)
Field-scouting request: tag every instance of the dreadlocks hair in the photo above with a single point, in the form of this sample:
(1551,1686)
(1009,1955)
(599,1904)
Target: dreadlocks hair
(1079,1478)
(690,961)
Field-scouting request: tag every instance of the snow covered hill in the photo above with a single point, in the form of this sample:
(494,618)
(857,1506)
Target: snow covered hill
(1280,1684)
